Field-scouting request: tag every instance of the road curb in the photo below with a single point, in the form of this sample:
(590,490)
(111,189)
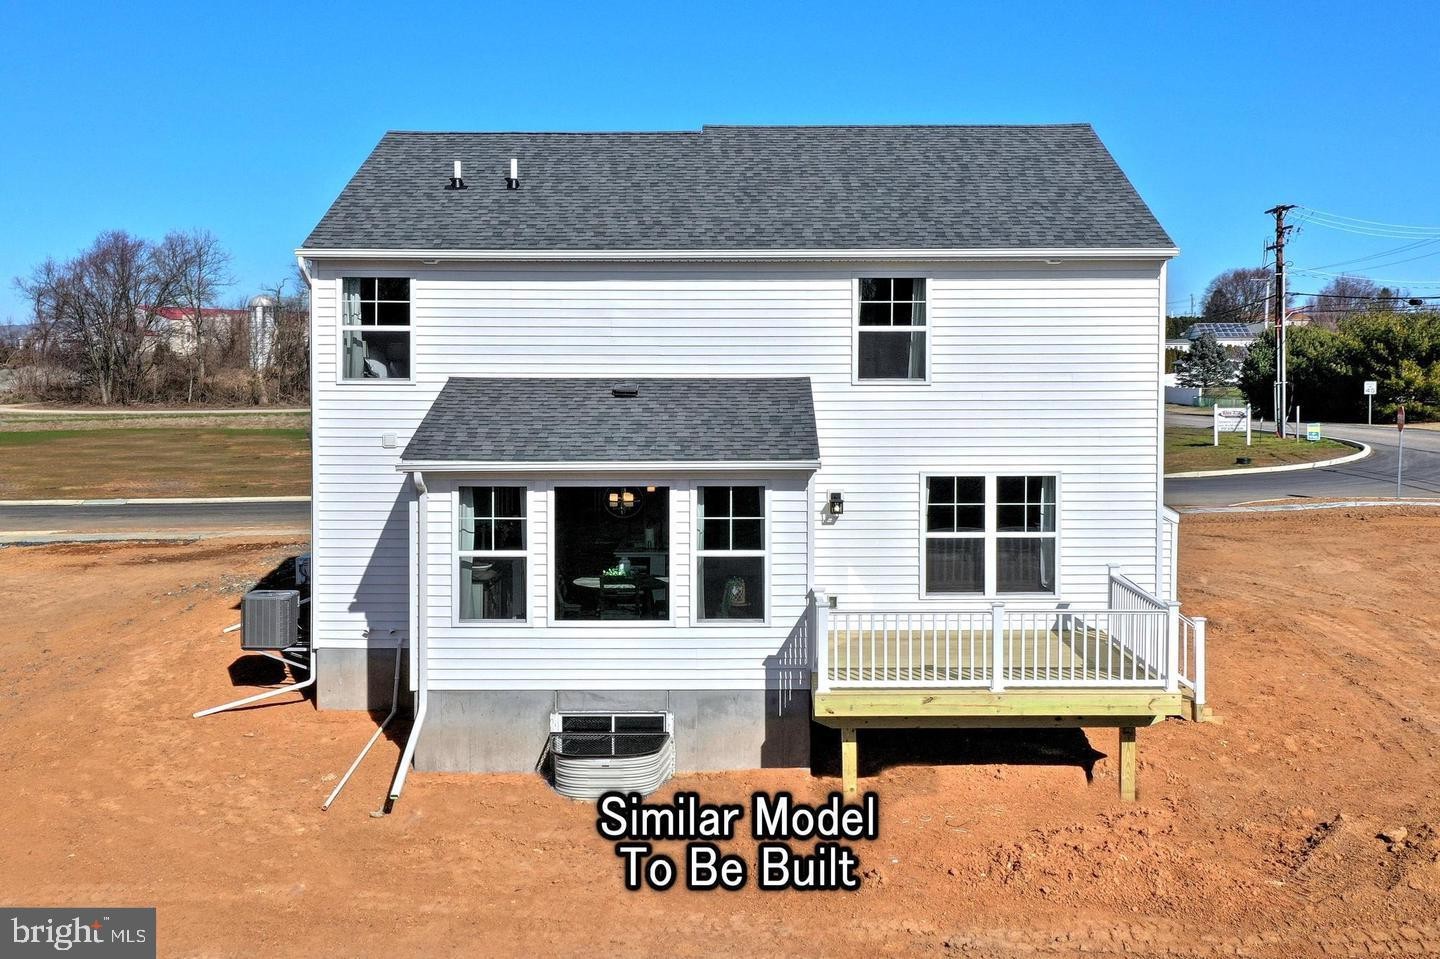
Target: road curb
(10,409)
(1293,507)
(1364,448)
(157,501)
(167,536)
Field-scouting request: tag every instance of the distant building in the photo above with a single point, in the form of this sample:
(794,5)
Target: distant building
(173,326)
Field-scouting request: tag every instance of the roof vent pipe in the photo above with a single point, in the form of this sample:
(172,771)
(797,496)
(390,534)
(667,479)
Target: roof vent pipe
(457,182)
(512,182)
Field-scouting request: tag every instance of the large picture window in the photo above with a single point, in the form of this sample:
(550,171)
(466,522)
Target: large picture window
(990,535)
(612,553)
(890,334)
(730,561)
(492,553)
(375,328)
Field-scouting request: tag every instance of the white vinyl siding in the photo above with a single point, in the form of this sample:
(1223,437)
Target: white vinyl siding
(1034,370)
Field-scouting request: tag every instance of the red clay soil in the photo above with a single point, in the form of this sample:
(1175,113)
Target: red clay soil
(1257,834)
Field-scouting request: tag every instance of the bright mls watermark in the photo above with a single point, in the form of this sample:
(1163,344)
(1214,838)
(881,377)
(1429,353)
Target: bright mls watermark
(117,933)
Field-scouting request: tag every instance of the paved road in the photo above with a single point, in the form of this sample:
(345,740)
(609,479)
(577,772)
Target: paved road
(151,518)
(1373,476)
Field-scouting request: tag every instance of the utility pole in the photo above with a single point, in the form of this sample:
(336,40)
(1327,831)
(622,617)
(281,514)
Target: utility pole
(1278,212)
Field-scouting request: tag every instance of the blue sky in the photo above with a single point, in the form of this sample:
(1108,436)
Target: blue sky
(247,120)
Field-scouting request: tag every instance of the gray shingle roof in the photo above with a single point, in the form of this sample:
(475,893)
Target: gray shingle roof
(671,420)
(745,188)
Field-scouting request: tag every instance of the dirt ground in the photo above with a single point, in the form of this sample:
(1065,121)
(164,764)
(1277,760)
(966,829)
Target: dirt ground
(1257,834)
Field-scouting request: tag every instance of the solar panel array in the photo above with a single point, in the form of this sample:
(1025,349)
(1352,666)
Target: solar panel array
(1221,331)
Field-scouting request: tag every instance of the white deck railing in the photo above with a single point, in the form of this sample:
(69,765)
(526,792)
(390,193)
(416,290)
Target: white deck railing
(1138,641)
(1192,656)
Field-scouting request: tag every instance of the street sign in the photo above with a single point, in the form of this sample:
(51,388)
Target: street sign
(1369,402)
(1312,432)
(1400,458)
(1370,386)
(1230,419)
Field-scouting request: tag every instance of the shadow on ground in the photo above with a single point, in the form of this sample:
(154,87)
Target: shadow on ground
(882,749)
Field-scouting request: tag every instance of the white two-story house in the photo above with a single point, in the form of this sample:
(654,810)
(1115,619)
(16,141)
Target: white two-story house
(680,443)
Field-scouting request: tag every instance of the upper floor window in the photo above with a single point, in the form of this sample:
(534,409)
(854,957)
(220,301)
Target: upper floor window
(890,330)
(990,534)
(375,328)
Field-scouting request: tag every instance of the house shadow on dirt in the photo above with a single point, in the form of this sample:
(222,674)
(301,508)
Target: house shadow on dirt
(881,749)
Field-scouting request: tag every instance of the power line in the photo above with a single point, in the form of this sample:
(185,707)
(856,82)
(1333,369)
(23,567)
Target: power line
(1364,296)
(1307,211)
(1391,232)
(1404,248)
(1388,282)
(1408,259)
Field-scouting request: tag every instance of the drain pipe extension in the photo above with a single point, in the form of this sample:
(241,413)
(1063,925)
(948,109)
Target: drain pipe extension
(422,670)
(394,708)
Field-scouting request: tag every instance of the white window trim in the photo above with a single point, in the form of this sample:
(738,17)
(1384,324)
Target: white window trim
(459,554)
(697,617)
(855,379)
(992,535)
(552,538)
(341,327)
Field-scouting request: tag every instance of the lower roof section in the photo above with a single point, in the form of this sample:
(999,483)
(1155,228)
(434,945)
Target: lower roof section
(584,423)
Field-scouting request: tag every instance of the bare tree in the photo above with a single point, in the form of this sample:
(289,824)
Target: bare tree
(1342,296)
(201,267)
(283,372)
(99,311)
(1237,296)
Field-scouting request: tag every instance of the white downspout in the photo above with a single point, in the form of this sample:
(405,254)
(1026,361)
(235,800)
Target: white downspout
(422,669)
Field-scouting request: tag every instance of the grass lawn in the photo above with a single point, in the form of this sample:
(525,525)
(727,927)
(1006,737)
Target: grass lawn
(1187,450)
(152,461)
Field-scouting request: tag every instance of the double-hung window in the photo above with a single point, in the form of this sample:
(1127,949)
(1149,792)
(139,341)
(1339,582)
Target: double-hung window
(890,329)
(375,328)
(731,556)
(492,553)
(990,535)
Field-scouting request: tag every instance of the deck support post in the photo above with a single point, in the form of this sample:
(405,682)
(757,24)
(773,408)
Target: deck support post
(1128,763)
(849,761)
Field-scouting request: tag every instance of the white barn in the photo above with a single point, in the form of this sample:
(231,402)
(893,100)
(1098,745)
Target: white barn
(731,432)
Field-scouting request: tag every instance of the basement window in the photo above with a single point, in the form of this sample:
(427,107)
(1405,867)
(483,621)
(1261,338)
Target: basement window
(890,333)
(375,328)
(608,735)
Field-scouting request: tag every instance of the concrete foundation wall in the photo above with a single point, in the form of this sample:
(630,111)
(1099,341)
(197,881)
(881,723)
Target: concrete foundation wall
(359,678)
(505,730)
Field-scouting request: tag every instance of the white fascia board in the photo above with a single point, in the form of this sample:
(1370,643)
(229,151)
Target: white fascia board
(1138,253)
(464,466)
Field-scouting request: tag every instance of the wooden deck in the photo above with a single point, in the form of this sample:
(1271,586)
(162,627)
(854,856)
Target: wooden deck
(1054,674)
(918,708)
